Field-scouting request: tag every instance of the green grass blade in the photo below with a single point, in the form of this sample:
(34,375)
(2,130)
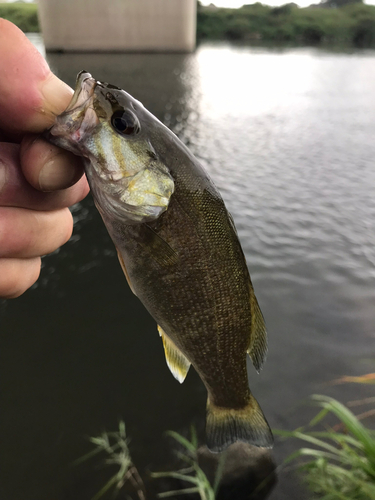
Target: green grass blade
(185,442)
(319,417)
(353,425)
(176,475)
(317,442)
(106,487)
(186,491)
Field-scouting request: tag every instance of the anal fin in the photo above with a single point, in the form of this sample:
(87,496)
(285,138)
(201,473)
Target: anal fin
(258,340)
(121,260)
(176,361)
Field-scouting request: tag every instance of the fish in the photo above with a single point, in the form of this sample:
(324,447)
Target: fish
(178,248)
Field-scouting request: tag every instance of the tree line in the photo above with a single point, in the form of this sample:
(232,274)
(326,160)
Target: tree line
(331,21)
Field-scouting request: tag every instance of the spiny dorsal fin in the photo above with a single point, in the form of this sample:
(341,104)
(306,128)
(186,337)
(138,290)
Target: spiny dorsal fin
(258,340)
(176,361)
(121,260)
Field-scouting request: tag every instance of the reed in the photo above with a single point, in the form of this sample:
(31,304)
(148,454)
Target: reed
(339,463)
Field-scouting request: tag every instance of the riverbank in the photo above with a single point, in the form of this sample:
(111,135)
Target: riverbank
(353,24)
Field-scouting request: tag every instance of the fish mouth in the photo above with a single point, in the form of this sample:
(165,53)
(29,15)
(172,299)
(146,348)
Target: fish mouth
(79,119)
(85,87)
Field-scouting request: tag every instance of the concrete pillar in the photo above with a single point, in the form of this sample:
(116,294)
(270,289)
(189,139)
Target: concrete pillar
(118,25)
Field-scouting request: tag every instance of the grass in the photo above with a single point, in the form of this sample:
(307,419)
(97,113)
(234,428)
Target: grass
(340,464)
(114,445)
(192,474)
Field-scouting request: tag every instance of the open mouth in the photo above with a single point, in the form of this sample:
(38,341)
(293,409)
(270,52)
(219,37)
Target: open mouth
(79,119)
(85,86)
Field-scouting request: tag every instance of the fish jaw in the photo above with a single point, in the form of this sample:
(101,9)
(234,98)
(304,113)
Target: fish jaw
(79,119)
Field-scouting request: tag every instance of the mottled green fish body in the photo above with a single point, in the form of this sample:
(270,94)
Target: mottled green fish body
(178,248)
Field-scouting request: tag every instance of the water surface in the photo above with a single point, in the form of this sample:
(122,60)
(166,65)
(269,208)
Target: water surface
(288,137)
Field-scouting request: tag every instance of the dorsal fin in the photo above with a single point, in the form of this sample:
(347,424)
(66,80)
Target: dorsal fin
(258,339)
(176,361)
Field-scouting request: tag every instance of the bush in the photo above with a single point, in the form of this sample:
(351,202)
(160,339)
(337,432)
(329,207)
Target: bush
(23,15)
(354,23)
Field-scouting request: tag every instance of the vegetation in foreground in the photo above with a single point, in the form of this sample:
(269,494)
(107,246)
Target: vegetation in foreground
(193,473)
(349,24)
(114,446)
(340,465)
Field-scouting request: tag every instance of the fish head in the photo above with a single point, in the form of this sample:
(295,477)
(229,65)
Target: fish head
(111,130)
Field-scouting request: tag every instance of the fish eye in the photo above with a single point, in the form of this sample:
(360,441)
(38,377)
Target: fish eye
(125,123)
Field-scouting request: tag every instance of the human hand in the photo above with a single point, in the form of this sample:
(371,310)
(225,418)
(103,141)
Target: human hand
(38,181)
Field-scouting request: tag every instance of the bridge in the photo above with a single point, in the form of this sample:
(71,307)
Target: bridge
(118,25)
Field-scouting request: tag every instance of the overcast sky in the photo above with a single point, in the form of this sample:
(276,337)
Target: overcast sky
(239,3)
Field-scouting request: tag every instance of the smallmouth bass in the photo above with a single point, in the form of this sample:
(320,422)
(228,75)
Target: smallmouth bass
(178,248)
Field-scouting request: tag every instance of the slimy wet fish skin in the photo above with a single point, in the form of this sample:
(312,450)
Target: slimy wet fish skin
(178,247)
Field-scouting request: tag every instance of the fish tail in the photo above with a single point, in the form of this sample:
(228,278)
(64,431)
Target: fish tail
(225,426)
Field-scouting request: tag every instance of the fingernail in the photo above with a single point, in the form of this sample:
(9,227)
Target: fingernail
(58,173)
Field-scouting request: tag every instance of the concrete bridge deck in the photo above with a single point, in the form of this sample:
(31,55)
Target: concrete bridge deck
(118,25)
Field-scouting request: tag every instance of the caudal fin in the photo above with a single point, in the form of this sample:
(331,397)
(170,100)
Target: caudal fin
(225,426)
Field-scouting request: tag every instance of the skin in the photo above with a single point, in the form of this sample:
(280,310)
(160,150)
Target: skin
(38,181)
(185,262)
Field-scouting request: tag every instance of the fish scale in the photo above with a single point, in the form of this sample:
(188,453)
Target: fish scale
(178,248)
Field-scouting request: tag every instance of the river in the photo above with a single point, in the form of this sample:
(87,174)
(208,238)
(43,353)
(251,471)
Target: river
(287,134)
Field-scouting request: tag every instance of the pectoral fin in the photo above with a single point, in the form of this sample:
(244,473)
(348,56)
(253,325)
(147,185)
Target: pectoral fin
(258,339)
(121,260)
(158,249)
(176,361)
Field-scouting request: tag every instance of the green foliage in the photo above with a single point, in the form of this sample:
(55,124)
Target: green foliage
(192,474)
(114,445)
(341,465)
(23,15)
(337,3)
(351,24)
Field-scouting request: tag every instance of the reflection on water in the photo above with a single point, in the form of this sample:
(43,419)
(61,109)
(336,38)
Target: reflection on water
(287,135)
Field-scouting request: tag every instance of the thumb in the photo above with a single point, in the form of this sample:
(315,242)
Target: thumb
(30,94)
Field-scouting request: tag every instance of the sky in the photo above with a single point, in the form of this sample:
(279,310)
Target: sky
(273,3)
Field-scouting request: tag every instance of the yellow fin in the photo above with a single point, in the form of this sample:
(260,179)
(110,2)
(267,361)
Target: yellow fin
(176,361)
(258,340)
(121,260)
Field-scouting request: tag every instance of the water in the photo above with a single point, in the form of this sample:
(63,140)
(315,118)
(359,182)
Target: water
(287,135)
